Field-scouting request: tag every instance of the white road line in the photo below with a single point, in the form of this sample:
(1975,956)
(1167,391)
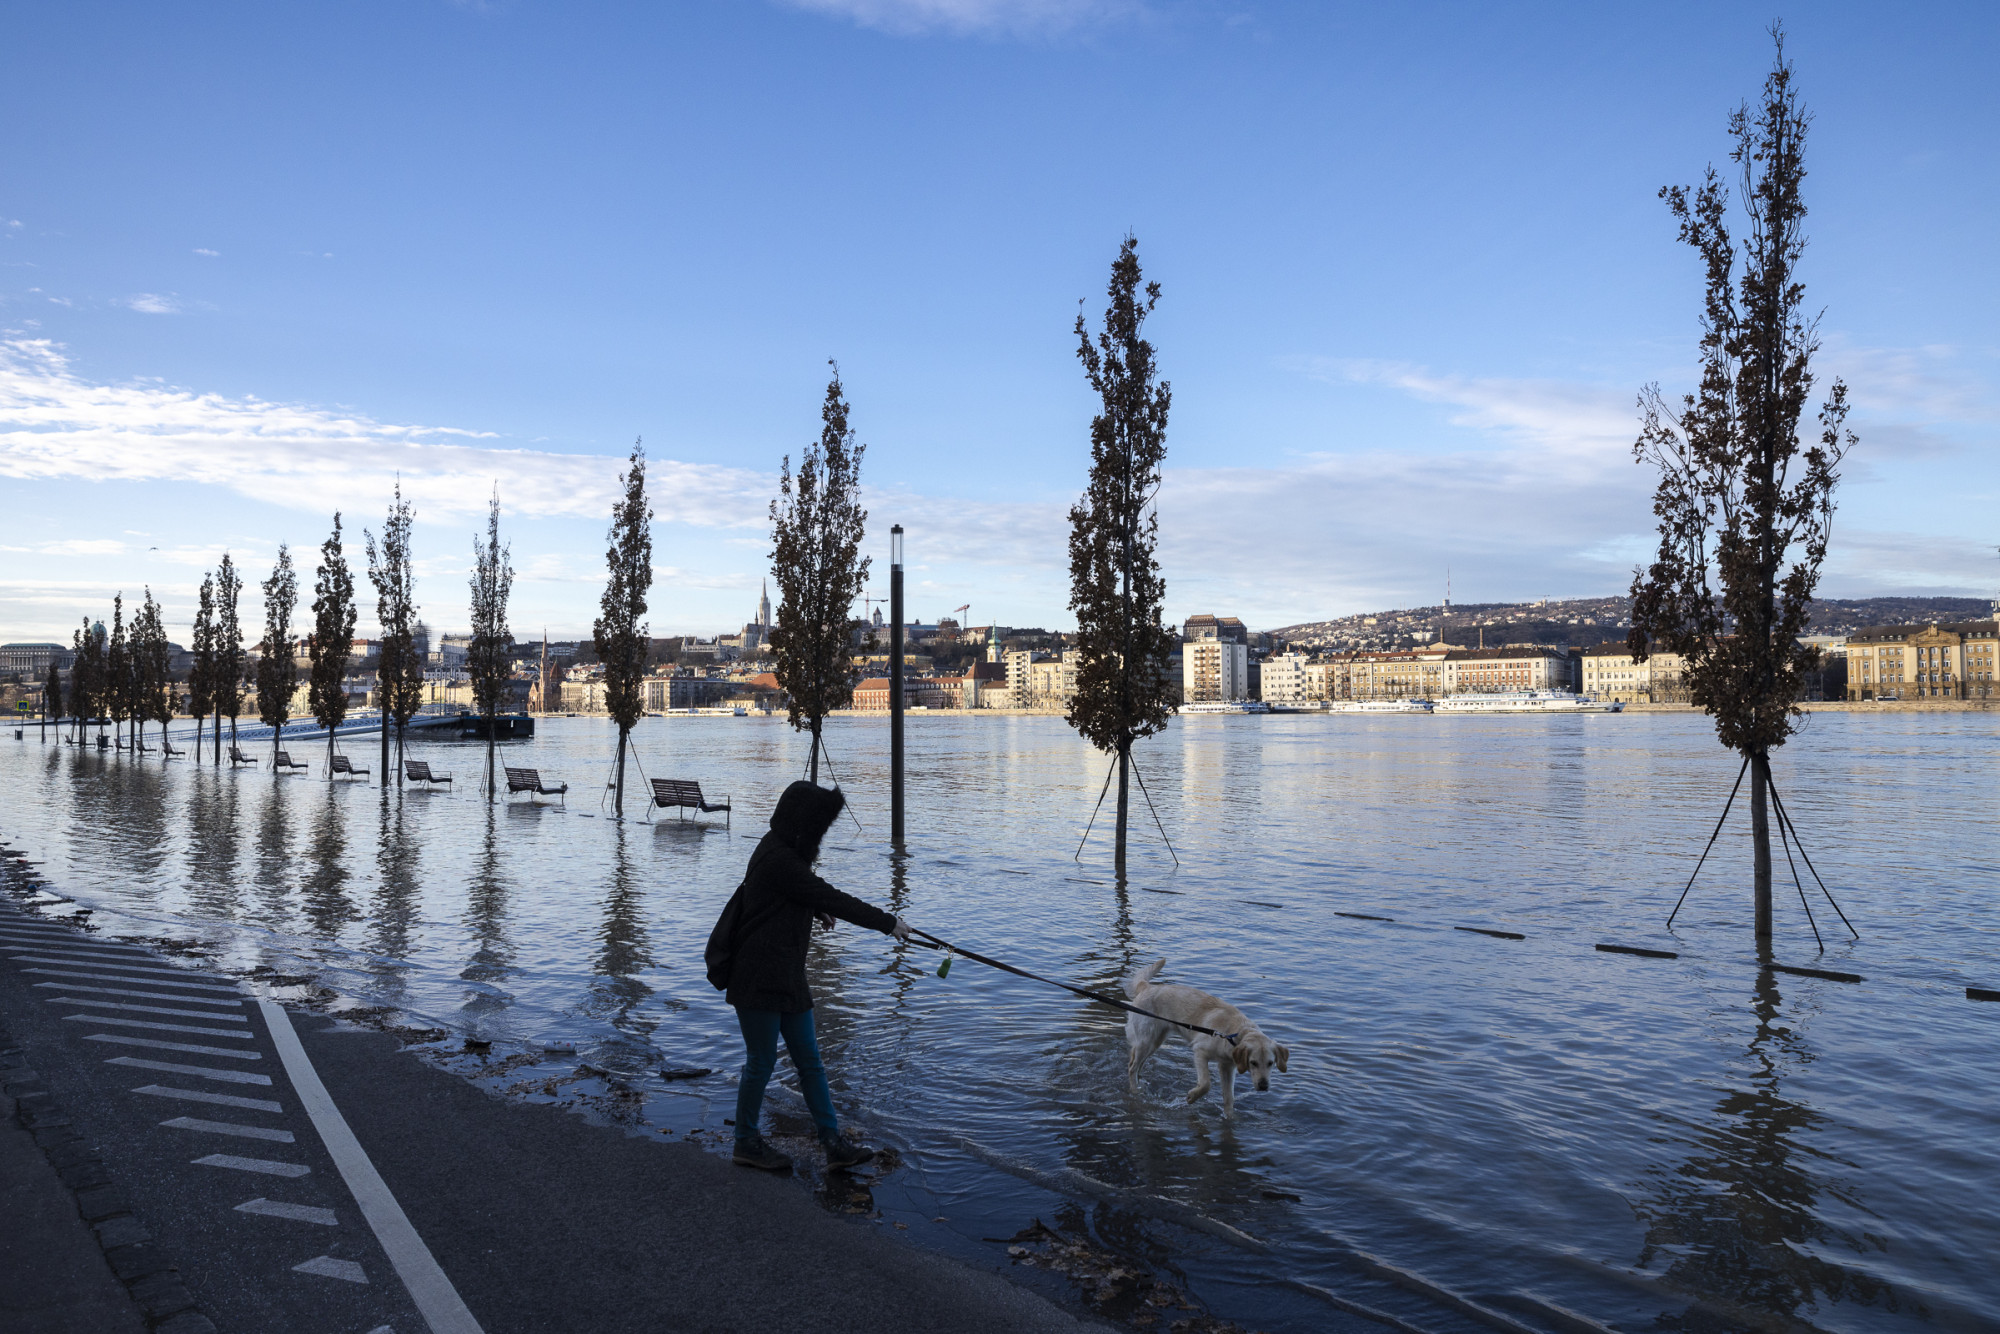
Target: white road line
(267,1166)
(147,1009)
(17,950)
(204,1071)
(328,1267)
(219,1099)
(156,1045)
(243,1036)
(18,941)
(439,1303)
(131,981)
(230,1128)
(116,967)
(298,1213)
(142,995)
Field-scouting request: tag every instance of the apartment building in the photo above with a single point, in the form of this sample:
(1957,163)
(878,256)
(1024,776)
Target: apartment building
(1954,661)
(1214,669)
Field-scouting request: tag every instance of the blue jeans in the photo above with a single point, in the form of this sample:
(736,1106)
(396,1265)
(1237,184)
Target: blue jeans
(761,1029)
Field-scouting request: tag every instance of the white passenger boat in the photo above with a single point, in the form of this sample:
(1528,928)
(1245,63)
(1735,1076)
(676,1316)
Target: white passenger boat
(1226,706)
(1528,701)
(1383,706)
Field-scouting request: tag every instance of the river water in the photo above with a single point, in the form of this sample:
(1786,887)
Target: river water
(1473,1130)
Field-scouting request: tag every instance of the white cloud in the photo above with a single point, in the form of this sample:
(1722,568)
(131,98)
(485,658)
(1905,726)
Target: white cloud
(212,254)
(54,424)
(981,17)
(152,303)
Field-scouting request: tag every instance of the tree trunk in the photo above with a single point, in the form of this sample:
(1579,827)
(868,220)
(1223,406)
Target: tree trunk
(232,738)
(401,730)
(277,740)
(382,705)
(329,754)
(618,795)
(1760,842)
(1124,789)
(490,794)
(813,759)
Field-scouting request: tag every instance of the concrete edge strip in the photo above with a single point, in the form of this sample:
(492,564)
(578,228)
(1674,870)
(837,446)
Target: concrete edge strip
(436,1299)
(151,1279)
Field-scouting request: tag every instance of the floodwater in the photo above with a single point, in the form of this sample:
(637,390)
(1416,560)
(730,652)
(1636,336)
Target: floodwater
(1473,1131)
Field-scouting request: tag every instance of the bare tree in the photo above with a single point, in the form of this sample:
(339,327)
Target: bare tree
(226,688)
(490,660)
(1116,590)
(817,524)
(619,633)
(278,669)
(332,645)
(400,668)
(1745,505)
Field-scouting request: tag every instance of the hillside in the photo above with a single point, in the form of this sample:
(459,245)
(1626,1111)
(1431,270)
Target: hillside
(1582,622)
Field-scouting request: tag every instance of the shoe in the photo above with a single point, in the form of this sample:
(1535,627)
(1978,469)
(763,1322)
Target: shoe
(755,1152)
(842,1154)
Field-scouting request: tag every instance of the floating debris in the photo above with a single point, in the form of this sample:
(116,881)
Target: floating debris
(670,1073)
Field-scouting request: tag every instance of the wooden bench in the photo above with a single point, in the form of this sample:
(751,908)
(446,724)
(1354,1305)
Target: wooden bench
(342,765)
(685,793)
(168,747)
(285,761)
(419,771)
(530,781)
(237,757)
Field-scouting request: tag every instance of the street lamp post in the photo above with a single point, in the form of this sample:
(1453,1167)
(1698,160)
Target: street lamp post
(896,685)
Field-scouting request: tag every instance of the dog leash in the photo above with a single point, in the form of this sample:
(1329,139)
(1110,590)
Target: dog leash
(932,942)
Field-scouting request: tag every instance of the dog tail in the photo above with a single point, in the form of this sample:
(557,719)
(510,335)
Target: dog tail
(1140,980)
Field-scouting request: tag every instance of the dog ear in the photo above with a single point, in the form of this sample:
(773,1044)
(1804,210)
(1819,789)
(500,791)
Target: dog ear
(1241,1055)
(1284,1054)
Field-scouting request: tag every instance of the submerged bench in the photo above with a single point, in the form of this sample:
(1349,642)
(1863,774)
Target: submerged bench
(685,793)
(342,765)
(168,747)
(419,771)
(530,781)
(285,761)
(238,757)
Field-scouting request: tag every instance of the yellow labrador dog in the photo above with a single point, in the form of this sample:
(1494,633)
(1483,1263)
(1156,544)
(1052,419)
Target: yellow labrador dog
(1251,1053)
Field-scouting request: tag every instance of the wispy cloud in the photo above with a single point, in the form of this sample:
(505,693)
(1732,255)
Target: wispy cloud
(152,303)
(54,424)
(212,254)
(1006,18)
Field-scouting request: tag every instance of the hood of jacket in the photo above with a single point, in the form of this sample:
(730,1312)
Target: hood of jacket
(805,812)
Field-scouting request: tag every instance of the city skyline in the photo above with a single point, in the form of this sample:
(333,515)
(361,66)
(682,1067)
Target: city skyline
(1402,338)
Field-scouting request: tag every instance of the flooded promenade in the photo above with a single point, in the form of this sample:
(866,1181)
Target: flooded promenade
(1474,1129)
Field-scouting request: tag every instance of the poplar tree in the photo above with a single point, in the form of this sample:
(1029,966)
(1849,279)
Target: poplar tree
(226,687)
(1745,505)
(817,524)
(117,671)
(489,660)
(201,677)
(277,669)
(1116,590)
(619,633)
(400,669)
(86,678)
(152,658)
(332,646)
(52,698)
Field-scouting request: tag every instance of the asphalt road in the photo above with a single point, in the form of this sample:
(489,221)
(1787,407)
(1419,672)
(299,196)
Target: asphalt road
(499,1215)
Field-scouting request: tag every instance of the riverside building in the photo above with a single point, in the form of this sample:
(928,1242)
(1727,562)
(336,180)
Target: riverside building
(1897,662)
(1610,672)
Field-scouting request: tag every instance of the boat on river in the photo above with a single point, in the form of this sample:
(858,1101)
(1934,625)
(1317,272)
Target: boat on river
(1528,701)
(1383,706)
(1226,706)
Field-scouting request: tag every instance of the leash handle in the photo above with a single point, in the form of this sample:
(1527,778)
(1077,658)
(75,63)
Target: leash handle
(930,941)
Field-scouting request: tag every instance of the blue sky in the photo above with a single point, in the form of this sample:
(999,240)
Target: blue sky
(257,260)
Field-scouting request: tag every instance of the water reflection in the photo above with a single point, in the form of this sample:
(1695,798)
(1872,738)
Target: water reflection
(327,904)
(486,905)
(617,994)
(394,915)
(214,888)
(1740,1224)
(274,856)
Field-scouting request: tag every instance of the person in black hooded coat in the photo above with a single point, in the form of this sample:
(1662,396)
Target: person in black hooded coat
(782,898)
